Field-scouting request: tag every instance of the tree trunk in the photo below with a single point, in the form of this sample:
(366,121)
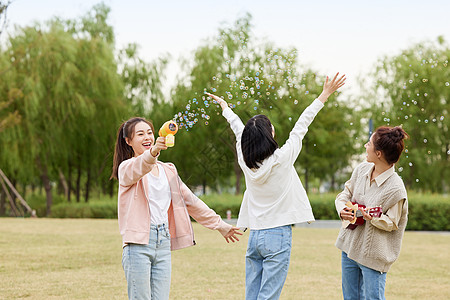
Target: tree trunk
(88,185)
(238,173)
(63,182)
(111,188)
(69,182)
(204,187)
(333,182)
(24,190)
(2,203)
(77,191)
(306,180)
(47,185)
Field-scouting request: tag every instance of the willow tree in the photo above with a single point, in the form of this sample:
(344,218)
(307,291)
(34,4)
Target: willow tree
(7,117)
(414,91)
(69,97)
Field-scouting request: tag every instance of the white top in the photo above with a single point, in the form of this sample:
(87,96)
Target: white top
(275,195)
(158,197)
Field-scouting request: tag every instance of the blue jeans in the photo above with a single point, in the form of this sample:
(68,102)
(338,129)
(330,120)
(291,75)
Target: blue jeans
(360,282)
(147,267)
(267,262)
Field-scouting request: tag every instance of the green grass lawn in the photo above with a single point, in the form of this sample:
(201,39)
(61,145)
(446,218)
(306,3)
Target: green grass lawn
(81,259)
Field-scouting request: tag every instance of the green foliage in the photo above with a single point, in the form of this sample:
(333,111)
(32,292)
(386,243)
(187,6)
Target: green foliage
(429,212)
(255,78)
(222,203)
(37,201)
(323,206)
(65,87)
(98,210)
(416,87)
(142,84)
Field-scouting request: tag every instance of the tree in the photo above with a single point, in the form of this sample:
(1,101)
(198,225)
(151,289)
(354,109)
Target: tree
(416,91)
(257,78)
(4,5)
(69,95)
(9,118)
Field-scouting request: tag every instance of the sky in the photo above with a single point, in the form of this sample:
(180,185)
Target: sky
(330,36)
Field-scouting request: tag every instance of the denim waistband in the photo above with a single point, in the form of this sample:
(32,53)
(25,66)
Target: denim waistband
(159,227)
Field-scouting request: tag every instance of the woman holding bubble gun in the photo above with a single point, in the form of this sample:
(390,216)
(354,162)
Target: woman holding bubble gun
(275,198)
(154,206)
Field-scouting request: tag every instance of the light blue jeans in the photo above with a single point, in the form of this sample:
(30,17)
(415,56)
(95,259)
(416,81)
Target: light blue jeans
(148,267)
(267,262)
(360,282)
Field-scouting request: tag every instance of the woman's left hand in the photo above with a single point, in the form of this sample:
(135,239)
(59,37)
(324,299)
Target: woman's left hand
(231,235)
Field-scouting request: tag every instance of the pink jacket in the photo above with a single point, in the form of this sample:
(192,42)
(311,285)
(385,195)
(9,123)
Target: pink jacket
(134,211)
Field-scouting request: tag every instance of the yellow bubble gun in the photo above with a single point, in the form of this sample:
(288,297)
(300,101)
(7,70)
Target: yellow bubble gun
(168,131)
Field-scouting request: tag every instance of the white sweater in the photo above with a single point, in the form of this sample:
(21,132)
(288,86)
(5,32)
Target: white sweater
(275,195)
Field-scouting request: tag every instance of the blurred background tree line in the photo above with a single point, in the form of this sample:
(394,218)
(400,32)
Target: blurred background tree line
(65,89)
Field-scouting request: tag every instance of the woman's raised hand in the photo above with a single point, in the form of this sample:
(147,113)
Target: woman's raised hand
(223,104)
(329,87)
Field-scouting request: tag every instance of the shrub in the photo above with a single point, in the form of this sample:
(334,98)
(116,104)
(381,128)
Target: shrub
(96,209)
(426,211)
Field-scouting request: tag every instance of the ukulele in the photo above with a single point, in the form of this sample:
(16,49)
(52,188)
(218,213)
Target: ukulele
(358,218)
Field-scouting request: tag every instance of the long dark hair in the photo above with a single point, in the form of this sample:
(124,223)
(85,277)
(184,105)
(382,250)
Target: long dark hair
(123,151)
(389,140)
(257,141)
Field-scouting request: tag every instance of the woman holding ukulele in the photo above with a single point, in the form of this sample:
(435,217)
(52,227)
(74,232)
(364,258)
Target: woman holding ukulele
(369,250)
